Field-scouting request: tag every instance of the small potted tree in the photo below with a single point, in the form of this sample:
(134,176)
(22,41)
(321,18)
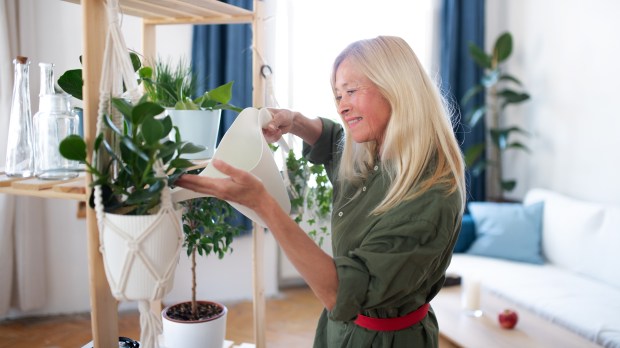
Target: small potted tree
(207,230)
(197,119)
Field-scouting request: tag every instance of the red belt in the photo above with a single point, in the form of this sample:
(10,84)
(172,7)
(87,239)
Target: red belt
(393,324)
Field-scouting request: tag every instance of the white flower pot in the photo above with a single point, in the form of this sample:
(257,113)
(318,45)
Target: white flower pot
(199,127)
(140,253)
(209,333)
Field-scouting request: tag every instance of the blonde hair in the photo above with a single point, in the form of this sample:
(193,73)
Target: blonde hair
(419,136)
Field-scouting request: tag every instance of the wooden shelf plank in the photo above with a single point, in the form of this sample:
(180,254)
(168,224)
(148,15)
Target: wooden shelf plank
(6,181)
(184,11)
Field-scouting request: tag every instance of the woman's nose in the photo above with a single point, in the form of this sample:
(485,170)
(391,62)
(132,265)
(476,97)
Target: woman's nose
(343,107)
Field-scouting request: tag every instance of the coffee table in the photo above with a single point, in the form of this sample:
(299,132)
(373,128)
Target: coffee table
(531,331)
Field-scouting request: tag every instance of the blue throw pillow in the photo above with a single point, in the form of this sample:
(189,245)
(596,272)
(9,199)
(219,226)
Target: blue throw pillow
(467,235)
(508,231)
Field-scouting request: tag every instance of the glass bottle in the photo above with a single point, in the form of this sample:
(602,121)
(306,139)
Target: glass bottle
(54,121)
(19,150)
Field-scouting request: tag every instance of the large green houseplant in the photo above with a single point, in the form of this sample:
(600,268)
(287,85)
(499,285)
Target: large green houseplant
(501,90)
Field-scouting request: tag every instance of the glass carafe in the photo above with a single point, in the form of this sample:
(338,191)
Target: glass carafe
(54,121)
(19,150)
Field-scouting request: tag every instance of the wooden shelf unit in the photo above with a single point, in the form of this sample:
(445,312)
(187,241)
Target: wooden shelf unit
(104,307)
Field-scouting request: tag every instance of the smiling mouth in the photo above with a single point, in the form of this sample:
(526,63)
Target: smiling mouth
(354,120)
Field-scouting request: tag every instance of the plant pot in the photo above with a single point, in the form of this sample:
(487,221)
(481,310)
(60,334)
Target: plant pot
(203,333)
(200,127)
(140,253)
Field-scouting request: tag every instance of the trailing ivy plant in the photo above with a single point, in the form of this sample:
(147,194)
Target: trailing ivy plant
(311,194)
(500,90)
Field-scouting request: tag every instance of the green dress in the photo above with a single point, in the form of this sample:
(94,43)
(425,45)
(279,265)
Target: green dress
(388,265)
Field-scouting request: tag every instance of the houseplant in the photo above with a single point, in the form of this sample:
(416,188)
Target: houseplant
(198,119)
(311,195)
(499,89)
(140,230)
(207,231)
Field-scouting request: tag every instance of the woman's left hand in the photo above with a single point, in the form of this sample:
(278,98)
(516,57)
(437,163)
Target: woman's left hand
(240,187)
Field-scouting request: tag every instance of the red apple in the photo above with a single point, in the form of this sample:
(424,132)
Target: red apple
(508,319)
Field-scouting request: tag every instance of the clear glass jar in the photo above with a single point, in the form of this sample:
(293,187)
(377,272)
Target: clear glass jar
(54,122)
(20,146)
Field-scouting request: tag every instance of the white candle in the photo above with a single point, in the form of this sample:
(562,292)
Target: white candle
(470,295)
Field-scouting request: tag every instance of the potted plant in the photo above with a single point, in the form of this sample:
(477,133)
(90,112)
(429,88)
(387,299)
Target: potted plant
(311,193)
(498,88)
(197,119)
(139,227)
(207,231)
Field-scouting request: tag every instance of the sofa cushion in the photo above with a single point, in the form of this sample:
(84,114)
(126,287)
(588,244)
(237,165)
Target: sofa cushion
(467,234)
(580,236)
(583,305)
(507,230)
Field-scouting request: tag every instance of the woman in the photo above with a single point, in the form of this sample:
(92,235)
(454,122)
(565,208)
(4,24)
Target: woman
(399,191)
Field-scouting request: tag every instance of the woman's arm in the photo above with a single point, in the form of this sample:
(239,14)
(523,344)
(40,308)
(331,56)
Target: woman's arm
(287,121)
(315,266)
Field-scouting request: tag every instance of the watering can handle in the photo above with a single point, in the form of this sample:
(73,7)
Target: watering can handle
(264,117)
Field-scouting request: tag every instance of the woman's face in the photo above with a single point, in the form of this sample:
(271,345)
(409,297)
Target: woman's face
(363,109)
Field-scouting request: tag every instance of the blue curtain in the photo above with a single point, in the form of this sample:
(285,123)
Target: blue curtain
(220,54)
(463,22)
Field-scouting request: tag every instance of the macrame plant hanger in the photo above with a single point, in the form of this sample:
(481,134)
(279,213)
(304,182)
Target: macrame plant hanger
(117,71)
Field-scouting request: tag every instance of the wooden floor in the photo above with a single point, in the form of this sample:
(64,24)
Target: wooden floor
(291,321)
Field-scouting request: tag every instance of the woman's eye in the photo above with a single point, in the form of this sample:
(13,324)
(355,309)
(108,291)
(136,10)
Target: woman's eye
(338,98)
(351,91)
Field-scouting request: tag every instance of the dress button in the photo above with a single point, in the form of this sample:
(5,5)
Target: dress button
(364,188)
(376,167)
(340,214)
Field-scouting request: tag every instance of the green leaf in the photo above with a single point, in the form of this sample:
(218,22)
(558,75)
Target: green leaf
(181,163)
(473,153)
(479,56)
(508,77)
(71,82)
(145,110)
(135,61)
(473,91)
(108,122)
(222,94)
(152,130)
(167,124)
(145,72)
(186,104)
(512,97)
(191,148)
(508,185)
(476,115)
(502,48)
(128,142)
(73,148)
(124,107)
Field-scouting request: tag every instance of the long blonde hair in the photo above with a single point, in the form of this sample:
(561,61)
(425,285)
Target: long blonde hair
(419,136)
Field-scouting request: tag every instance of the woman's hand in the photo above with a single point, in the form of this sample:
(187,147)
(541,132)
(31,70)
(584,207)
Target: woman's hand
(280,124)
(286,121)
(240,187)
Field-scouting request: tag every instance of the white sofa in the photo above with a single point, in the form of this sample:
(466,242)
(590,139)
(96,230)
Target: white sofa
(578,286)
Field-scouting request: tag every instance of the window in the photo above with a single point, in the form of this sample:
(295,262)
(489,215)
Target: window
(310,34)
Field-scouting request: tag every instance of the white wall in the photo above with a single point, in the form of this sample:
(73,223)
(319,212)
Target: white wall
(52,32)
(566,54)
